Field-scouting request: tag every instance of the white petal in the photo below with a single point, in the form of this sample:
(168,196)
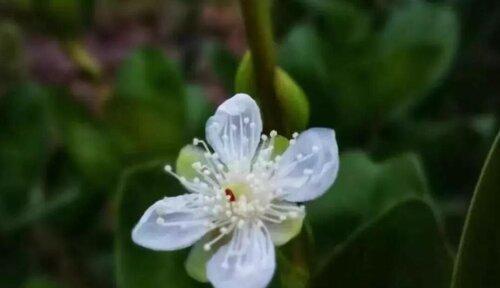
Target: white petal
(309,167)
(234,131)
(283,232)
(171,223)
(247,261)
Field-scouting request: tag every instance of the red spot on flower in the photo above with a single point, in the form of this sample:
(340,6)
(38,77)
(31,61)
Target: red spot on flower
(230,193)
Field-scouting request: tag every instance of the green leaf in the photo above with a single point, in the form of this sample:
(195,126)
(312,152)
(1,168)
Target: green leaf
(301,54)
(39,282)
(138,267)
(12,67)
(416,49)
(402,247)
(291,97)
(370,70)
(224,64)
(24,146)
(478,261)
(148,109)
(359,214)
(88,143)
(198,110)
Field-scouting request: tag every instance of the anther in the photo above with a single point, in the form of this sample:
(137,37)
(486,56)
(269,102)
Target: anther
(229,193)
(168,168)
(273,133)
(295,135)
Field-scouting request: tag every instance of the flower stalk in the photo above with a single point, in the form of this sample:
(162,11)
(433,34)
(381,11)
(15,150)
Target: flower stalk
(258,26)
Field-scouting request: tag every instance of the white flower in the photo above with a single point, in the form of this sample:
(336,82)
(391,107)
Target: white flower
(244,197)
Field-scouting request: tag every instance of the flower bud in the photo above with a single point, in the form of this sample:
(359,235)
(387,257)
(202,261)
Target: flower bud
(293,101)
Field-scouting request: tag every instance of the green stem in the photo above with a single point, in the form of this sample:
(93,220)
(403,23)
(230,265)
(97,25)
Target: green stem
(257,19)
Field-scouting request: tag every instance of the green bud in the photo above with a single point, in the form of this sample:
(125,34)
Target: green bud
(294,103)
(196,262)
(188,155)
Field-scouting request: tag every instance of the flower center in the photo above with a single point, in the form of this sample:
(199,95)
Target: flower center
(235,191)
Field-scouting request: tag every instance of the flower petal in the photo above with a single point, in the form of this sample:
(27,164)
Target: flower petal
(234,131)
(283,232)
(172,223)
(309,167)
(247,261)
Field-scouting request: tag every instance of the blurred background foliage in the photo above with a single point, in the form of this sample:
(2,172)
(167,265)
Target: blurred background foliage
(90,88)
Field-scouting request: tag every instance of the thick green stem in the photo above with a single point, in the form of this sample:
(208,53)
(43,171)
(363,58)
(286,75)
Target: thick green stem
(257,18)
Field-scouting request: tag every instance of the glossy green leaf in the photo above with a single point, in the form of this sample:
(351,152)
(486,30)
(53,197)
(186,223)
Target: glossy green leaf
(402,247)
(148,108)
(478,261)
(138,267)
(360,209)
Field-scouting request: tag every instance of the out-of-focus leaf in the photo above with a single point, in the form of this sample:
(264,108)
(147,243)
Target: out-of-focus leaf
(415,50)
(40,283)
(148,108)
(352,214)
(375,71)
(15,261)
(402,247)
(24,146)
(478,261)
(224,64)
(301,55)
(293,101)
(343,21)
(87,141)
(138,267)
(198,110)
(63,18)
(11,53)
